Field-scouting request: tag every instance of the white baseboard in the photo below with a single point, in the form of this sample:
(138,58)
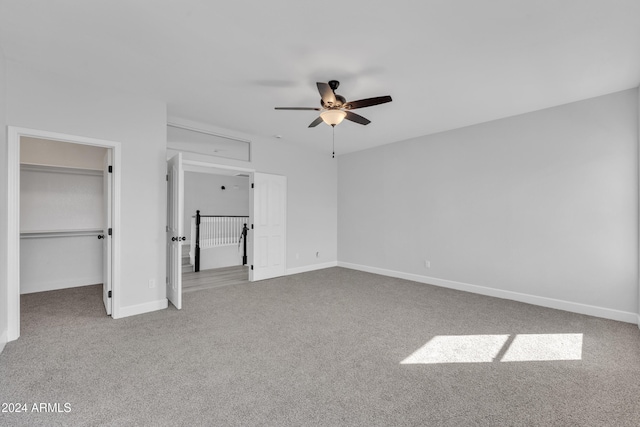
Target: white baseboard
(146,307)
(312,267)
(574,307)
(3,340)
(29,288)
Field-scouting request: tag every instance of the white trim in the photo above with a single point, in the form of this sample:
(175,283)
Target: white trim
(62,284)
(13,234)
(3,340)
(574,307)
(312,267)
(13,223)
(197,163)
(147,307)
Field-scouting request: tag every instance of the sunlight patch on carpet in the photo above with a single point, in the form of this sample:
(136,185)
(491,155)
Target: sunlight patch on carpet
(458,349)
(546,347)
(497,348)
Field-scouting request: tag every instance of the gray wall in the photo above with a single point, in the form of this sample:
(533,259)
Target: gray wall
(542,204)
(64,261)
(41,100)
(311,193)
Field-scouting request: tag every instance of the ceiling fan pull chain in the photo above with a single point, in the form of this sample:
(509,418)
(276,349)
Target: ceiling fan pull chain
(333,129)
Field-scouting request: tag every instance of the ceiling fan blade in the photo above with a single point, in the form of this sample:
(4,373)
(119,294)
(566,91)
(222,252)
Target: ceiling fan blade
(326,93)
(298,108)
(356,118)
(361,103)
(316,122)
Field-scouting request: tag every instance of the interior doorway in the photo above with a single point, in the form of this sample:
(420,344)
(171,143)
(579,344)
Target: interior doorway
(179,220)
(266,239)
(58,227)
(216,212)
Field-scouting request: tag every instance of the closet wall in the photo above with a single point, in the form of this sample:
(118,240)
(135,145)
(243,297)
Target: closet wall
(61,215)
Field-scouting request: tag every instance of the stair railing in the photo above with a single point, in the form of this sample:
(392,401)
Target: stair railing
(219,230)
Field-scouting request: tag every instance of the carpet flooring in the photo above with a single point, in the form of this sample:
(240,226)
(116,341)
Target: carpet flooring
(333,347)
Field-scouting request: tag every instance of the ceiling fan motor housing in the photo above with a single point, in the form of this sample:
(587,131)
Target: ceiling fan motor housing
(340,102)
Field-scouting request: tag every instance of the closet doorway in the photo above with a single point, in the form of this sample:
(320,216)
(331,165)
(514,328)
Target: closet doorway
(63,203)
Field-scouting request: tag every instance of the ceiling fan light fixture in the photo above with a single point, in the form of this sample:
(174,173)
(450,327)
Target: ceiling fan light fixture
(333,117)
(335,108)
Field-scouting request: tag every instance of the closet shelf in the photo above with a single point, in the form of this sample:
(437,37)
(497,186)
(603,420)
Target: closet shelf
(40,234)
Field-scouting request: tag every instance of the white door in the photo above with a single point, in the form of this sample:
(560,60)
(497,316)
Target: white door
(106,236)
(268,207)
(175,205)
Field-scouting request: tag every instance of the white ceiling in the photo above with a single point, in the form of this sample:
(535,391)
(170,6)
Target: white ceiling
(446,63)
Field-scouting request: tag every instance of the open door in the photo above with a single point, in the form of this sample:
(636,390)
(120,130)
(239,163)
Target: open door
(175,206)
(106,236)
(268,206)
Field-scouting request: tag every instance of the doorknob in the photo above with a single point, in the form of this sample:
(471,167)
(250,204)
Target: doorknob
(183,238)
(173,239)
(100,236)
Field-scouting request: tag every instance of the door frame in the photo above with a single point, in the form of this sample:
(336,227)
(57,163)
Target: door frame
(13,220)
(200,167)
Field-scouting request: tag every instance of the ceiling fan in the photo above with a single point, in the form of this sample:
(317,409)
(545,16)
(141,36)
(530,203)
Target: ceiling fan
(335,107)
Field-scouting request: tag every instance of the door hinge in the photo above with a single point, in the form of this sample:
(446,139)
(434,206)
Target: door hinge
(167,228)
(252,226)
(252,266)
(167,177)
(110,230)
(109,295)
(110,169)
(252,185)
